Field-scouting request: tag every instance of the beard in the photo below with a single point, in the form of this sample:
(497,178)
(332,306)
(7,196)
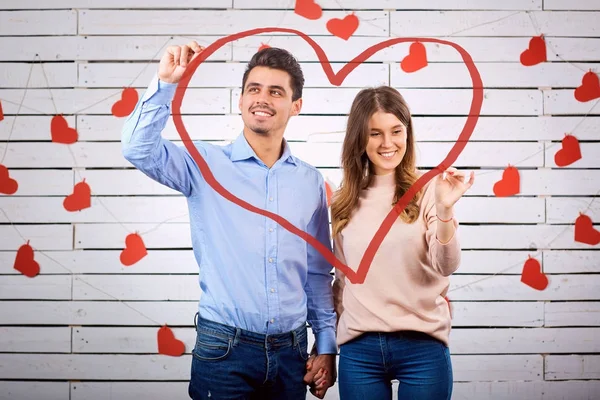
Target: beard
(260,130)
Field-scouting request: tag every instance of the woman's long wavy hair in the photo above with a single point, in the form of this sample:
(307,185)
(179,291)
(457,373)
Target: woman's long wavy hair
(358,170)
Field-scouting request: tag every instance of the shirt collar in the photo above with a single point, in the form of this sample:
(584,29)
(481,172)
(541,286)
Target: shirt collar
(241,150)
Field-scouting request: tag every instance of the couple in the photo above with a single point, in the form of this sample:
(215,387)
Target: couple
(261,285)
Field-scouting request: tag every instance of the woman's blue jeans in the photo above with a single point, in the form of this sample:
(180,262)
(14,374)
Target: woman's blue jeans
(420,363)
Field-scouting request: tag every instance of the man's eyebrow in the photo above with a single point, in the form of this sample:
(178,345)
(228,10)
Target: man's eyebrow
(253,84)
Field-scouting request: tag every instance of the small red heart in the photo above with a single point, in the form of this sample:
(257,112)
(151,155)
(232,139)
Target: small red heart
(510,183)
(60,131)
(80,199)
(536,53)
(585,231)
(569,153)
(167,344)
(125,106)
(416,58)
(589,89)
(1,112)
(24,262)
(263,46)
(533,276)
(134,250)
(343,28)
(308,9)
(7,184)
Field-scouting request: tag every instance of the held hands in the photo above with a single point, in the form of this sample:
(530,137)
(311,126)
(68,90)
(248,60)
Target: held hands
(173,63)
(449,189)
(320,373)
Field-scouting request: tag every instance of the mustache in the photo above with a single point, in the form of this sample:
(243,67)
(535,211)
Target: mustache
(262,108)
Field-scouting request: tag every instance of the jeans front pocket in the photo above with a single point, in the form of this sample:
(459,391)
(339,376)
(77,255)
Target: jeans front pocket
(212,346)
(302,347)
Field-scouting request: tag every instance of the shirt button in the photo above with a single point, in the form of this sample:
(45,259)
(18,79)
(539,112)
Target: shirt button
(272,321)
(270,229)
(270,260)
(272,290)
(270,199)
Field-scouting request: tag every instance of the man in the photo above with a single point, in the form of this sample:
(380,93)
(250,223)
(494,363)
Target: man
(259,283)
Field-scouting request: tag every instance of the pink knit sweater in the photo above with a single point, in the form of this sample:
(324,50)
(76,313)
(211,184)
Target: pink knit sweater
(408,279)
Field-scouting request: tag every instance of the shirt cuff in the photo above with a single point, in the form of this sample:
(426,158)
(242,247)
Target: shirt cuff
(326,342)
(159,92)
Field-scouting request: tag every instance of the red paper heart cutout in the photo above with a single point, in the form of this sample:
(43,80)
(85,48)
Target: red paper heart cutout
(337,79)
(416,58)
(589,89)
(80,199)
(569,153)
(134,250)
(7,184)
(24,262)
(125,106)
(585,231)
(60,131)
(1,112)
(263,46)
(308,9)
(536,53)
(510,184)
(167,344)
(343,28)
(533,276)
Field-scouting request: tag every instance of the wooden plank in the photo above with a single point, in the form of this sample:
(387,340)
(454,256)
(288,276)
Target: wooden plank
(425,101)
(526,390)
(100,101)
(106,313)
(222,75)
(34,390)
(35,340)
(572,367)
(331,128)
(492,23)
(28,23)
(128,182)
(481,49)
(30,128)
(136,287)
(160,209)
(565,210)
(568,262)
(392,4)
(562,102)
(217,22)
(493,75)
(510,288)
(41,237)
(129,390)
(583,5)
(589,156)
(42,182)
(319,154)
(60,75)
(49,287)
(126,340)
(524,340)
(165,368)
(490,237)
(572,314)
(35,4)
(490,262)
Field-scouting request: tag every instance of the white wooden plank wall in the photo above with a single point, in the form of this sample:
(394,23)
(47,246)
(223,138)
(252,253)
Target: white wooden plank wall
(85,328)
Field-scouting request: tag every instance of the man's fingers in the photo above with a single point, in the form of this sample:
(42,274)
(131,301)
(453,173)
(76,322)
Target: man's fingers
(196,48)
(184,56)
(176,55)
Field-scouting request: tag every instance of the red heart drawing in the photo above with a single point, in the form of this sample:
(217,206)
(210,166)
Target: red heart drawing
(24,262)
(343,28)
(7,184)
(308,9)
(533,276)
(167,344)
(80,199)
(416,58)
(585,231)
(569,153)
(134,250)
(589,89)
(536,53)
(337,79)
(263,46)
(1,112)
(125,106)
(510,184)
(60,131)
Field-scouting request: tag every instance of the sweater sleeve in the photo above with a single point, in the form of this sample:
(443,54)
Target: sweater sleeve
(445,257)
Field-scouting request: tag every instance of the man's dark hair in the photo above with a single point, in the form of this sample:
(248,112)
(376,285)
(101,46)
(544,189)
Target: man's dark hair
(280,59)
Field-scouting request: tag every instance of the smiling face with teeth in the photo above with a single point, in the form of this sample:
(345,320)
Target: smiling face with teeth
(387,142)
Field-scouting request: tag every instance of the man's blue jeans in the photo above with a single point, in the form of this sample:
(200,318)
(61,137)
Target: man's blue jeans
(419,362)
(231,363)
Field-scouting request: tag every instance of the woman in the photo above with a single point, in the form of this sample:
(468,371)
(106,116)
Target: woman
(396,324)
